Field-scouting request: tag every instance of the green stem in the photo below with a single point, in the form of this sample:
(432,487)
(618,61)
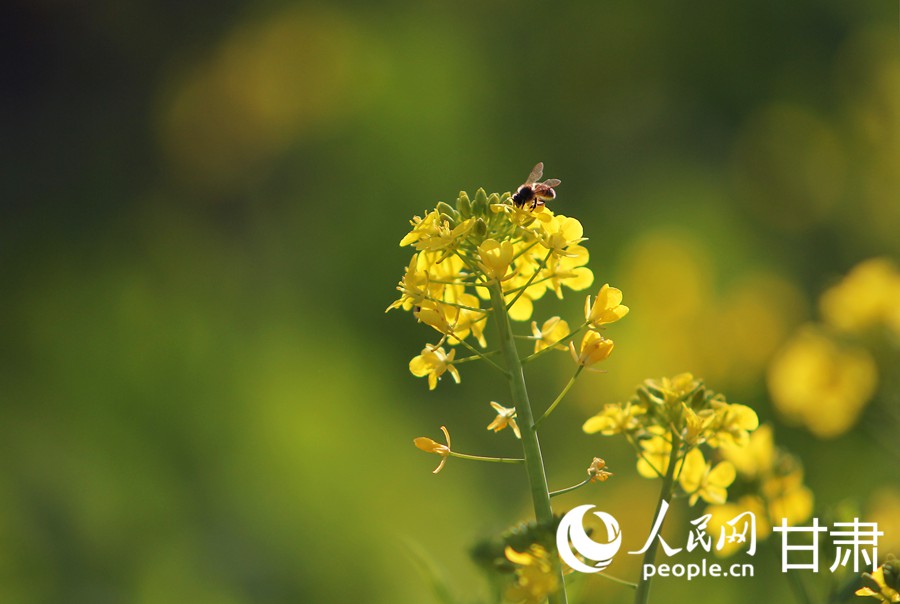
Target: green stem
(559,398)
(492,459)
(534,463)
(571,488)
(482,355)
(665,494)
(606,575)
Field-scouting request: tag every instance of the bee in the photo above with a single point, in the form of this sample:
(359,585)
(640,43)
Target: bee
(533,192)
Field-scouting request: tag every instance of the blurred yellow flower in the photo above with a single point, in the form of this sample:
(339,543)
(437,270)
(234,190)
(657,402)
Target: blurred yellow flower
(655,452)
(534,575)
(505,417)
(434,362)
(777,475)
(757,457)
(615,419)
(594,349)
(495,257)
(701,480)
(867,297)
(430,446)
(607,307)
(552,331)
(821,383)
(721,514)
(669,391)
(787,497)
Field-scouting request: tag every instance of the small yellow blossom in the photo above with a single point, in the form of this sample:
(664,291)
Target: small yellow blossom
(534,575)
(597,471)
(702,480)
(560,233)
(670,391)
(552,331)
(757,457)
(594,349)
(430,446)
(883,583)
(607,307)
(733,424)
(434,232)
(615,419)
(505,417)
(698,427)
(821,383)
(495,257)
(434,362)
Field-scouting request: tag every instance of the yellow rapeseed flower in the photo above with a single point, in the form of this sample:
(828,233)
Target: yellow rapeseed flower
(655,453)
(821,383)
(703,480)
(868,296)
(615,419)
(594,349)
(787,497)
(505,417)
(561,233)
(434,362)
(597,471)
(430,446)
(534,575)
(607,307)
(495,256)
(757,457)
(552,331)
(732,424)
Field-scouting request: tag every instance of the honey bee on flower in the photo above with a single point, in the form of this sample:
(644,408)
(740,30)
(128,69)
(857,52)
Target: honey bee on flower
(533,192)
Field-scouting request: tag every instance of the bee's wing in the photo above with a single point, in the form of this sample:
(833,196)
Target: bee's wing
(552,182)
(536,173)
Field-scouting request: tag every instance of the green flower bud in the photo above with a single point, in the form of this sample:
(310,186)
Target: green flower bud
(480,205)
(891,569)
(464,205)
(447,210)
(480,229)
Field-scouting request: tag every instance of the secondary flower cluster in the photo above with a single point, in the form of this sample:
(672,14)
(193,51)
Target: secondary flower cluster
(463,251)
(771,484)
(680,414)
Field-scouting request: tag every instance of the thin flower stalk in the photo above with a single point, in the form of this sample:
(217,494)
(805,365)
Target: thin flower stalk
(534,463)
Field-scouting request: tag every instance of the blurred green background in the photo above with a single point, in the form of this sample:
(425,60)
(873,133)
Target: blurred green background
(201,398)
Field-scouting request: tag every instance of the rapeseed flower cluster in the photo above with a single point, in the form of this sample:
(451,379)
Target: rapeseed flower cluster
(680,414)
(772,487)
(461,251)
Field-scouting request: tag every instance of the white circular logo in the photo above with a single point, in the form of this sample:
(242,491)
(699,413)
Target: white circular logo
(571,528)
